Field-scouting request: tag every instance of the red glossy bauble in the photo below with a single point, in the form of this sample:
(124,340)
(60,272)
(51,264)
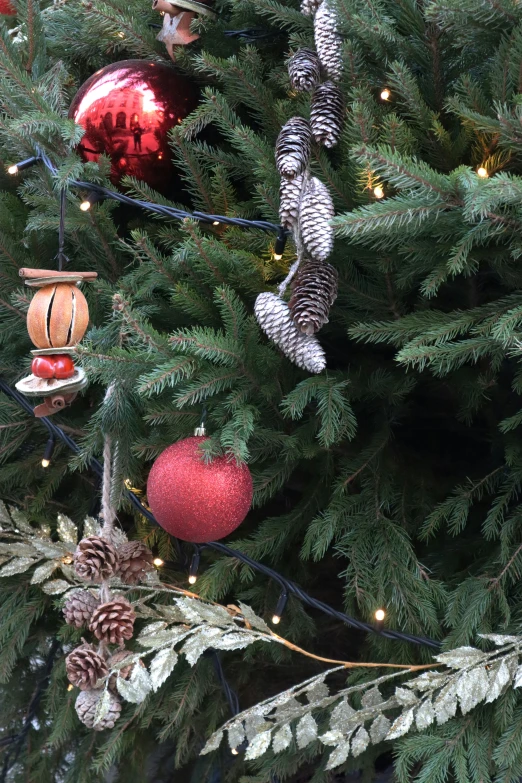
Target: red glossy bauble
(7,8)
(43,366)
(63,367)
(195,501)
(127,110)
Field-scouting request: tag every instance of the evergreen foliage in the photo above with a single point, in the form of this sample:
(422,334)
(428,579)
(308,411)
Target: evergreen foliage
(393,478)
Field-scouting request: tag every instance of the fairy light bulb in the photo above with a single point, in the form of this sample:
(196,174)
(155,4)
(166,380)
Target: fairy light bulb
(380,614)
(12,169)
(378,191)
(85,206)
(235,752)
(482,172)
(385,94)
(276,619)
(193,570)
(48,453)
(215,222)
(158,562)
(280,608)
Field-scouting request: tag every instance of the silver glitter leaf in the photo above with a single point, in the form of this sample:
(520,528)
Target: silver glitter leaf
(44,571)
(137,687)
(379,729)
(67,530)
(196,612)
(55,587)
(91,527)
(236,641)
(282,738)
(102,707)
(446,703)
(317,692)
(259,745)
(405,697)
(461,657)
(339,755)
(499,677)
(256,622)
(306,731)
(48,548)
(171,613)
(289,709)
(5,518)
(342,716)
(427,681)
(201,640)
(17,566)
(213,743)
(499,640)
(161,666)
(236,734)
(402,725)
(425,715)
(518,678)
(360,741)
(17,549)
(372,698)
(21,522)
(255,723)
(151,629)
(332,737)
(472,688)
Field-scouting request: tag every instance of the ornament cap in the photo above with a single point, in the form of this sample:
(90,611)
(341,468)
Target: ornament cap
(200,431)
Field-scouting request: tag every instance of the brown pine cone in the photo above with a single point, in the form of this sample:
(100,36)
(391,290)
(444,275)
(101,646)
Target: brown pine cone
(135,559)
(289,198)
(85,707)
(314,292)
(78,608)
(85,667)
(327,114)
(113,622)
(293,147)
(304,69)
(315,213)
(95,559)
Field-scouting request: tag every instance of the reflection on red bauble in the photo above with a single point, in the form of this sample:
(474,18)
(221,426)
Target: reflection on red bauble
(7,8)
(127,110)
(195,501)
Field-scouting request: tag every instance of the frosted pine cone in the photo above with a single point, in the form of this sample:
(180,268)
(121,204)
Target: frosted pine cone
(293,147)
(275,320)
(328,42)
(134,560)
(95,559)
(314,220)
(113,622)
(309,7)
(327,114)
(86,704)
(79,607)
(314,292)
(304,69)
(85,667)
(289,199)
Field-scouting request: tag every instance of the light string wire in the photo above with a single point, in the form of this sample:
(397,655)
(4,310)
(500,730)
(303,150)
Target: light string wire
(161,209)
(285,584)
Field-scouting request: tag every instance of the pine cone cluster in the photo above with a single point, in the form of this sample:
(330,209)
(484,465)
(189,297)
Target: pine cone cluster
(328,42)
(289,200)
(327,114)
(85,667)
(78,608)
(314,220)
(113,621)
(134,561)
(95,559)
(275,320)
(314,292)
(304,70)
(293,147)
(86,705)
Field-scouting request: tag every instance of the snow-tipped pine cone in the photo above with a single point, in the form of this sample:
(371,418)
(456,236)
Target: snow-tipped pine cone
(78,608)
(86,705)
(85,667)
(113,622)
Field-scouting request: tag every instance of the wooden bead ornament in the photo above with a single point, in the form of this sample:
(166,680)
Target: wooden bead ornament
(57,319)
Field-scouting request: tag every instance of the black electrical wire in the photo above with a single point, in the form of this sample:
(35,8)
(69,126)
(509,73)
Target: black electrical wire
(285,584)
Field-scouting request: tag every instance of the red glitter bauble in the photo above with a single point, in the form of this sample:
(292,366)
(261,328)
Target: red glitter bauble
(127,110)
(7,8)
(195,501)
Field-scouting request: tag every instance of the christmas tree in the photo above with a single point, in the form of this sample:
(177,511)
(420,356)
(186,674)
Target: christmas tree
(303,221)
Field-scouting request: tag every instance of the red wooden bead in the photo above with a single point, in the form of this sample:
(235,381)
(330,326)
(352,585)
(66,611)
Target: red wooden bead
(63,367)
(43,367)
